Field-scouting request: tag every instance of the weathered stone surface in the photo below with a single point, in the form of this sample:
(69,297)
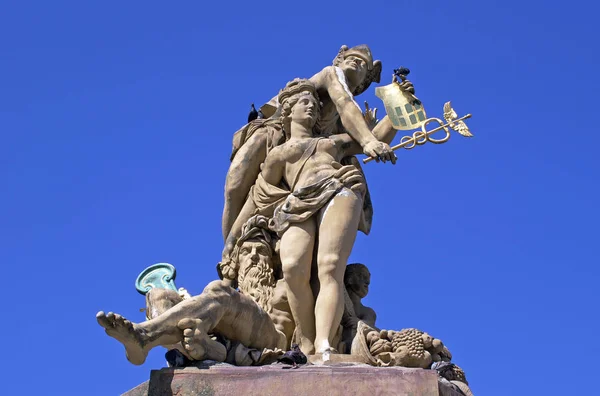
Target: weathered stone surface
(140,390)
(335,359)
(306,380)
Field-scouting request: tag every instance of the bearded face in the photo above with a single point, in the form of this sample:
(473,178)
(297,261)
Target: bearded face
(255,275)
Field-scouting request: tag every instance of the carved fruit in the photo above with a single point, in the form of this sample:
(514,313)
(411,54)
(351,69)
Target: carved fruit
(427,340)
(380,346)
(372,336)
(412,339)
(436,346)
(445,354)
(403,356)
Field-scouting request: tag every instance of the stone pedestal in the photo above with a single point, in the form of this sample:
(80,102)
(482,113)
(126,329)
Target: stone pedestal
(335,379)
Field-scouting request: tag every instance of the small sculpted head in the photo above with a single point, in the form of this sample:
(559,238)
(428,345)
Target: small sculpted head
(355,69)
(358,67)
(299,103)
(357,279)
(255,262)
(253,256)
(305,110)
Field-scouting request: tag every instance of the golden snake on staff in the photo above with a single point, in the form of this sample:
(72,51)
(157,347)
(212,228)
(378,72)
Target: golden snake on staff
(419,138)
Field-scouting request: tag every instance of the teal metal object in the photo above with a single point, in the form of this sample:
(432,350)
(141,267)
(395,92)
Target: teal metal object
(160,275)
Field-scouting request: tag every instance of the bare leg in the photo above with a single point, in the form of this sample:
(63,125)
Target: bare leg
(296,251)
(160,300)
(219,308)
(242,174)
(338,225)
(140,338)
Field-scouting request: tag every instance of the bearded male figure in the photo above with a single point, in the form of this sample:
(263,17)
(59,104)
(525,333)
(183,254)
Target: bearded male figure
(351,74)
(257,315)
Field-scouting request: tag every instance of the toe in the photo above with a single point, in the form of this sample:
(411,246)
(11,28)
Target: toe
(102,319)
(186,323)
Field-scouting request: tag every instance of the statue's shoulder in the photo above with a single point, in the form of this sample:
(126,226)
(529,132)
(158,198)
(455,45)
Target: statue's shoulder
(369,315)
(280,152)
(270,129)
(328,72)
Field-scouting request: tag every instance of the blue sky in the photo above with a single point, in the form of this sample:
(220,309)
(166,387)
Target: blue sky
(116,122)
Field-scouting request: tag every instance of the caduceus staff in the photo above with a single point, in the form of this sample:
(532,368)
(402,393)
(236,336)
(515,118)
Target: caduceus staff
(406,112)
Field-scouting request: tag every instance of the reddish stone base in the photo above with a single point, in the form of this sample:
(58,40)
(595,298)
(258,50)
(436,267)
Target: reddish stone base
(312,380)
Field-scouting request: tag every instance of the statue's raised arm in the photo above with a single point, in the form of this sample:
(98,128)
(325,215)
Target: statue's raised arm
(351,74)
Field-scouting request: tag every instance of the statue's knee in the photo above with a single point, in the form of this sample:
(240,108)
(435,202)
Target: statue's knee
(295,274)
(160,300)
(156,294)
(329,264)
(216,288)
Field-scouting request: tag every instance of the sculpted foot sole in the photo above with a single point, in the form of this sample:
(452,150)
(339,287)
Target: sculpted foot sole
(123,331)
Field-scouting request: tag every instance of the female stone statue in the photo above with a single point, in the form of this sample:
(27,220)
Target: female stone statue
(316,205)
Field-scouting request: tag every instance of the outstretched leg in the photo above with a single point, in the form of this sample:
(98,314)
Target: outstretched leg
(219,308)
(338,225)
(296,252)
(140,338)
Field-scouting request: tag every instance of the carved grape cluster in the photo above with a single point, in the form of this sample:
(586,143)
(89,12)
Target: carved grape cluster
(408,347)
(412,339)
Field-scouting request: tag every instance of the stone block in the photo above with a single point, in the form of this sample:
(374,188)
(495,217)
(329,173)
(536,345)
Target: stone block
(331,380)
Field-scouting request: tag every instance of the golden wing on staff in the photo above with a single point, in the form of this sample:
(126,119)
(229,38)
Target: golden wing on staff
(459,126)
(449,113)
(462,128)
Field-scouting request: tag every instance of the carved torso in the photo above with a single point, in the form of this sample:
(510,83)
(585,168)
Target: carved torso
(317,167)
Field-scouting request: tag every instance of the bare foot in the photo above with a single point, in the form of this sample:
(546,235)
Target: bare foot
(307,346)
(327,352)
(198,344)
(124,331)
(325,347)
(194,340)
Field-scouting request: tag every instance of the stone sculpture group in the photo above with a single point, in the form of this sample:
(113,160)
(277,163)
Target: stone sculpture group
(295,198)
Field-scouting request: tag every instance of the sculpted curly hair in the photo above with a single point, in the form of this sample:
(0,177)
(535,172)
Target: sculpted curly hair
(291,94)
